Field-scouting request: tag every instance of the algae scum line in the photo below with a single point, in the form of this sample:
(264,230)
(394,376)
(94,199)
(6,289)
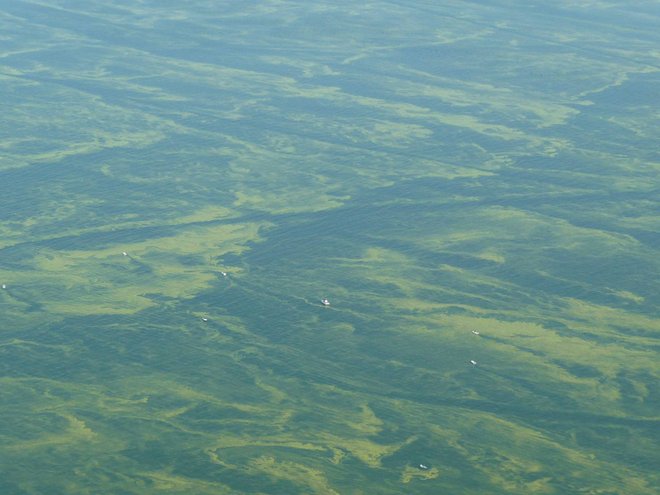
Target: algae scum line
(293,248)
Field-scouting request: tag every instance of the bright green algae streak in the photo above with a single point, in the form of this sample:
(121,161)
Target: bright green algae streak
(463,181)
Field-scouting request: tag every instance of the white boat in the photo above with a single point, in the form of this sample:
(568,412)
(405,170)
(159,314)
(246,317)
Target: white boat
(325,302)
(224,274)
(124,253)
(475,332)
(4,286)
(423,466)
(205,318)
(473,362)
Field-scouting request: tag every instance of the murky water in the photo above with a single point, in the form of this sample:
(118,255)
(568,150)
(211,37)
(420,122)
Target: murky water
(474,188)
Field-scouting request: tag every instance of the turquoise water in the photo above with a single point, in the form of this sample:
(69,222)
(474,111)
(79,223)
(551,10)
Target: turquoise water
(464,182)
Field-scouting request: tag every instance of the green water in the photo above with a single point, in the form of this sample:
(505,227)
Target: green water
(464,181)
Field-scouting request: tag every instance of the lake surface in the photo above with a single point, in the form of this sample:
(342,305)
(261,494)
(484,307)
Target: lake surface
(182,183)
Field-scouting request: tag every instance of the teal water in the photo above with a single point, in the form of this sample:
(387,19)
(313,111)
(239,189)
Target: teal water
(463,181)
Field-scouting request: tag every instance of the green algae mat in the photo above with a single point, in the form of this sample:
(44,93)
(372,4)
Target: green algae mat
(474,187)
